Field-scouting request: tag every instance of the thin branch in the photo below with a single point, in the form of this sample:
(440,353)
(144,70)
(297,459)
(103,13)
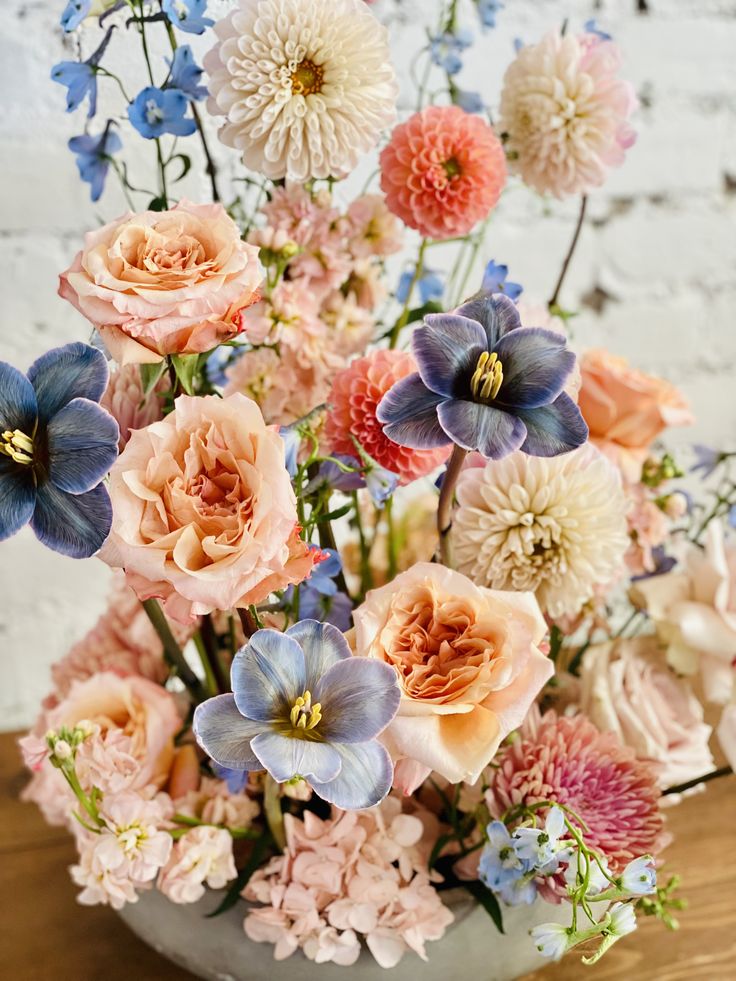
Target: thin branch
(444,508)
(680,788)
(172,652)
(570,252)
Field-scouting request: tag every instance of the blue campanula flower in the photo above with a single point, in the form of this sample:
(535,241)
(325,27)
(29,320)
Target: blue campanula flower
(495,280)
(155,111)
(302,706)
(487,10)
(185,74)
(471,102)
(487,384)
(56,445)
(188,15)
(93,157)
(445,49)
(429,284)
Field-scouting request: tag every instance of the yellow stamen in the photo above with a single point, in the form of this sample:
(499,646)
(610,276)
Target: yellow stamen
(307,78)
(17,446)
(487,377)
(304,715)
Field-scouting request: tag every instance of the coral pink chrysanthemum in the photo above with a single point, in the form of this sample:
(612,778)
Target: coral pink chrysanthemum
(442,171)
(354,398)
(570,761)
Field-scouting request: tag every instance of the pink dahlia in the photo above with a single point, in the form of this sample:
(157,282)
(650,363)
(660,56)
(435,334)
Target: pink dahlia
(356,392)
(442,171)
(570,761)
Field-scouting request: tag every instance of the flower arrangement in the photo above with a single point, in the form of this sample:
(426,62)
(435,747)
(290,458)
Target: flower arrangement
(407,592)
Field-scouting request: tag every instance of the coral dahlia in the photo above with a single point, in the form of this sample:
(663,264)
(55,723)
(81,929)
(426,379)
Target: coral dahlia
(442,171)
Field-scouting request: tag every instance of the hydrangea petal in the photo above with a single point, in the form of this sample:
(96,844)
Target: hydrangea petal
(323,646)
(287,756)
(65,373)
(82,446)
(553,429)
(408,413)
(475,426)
(535,364)
(73,524)
(447,349)
(359,697)
(267,675)
(225,735)
(496,313)
(17,497)
(18,407)
(364,778)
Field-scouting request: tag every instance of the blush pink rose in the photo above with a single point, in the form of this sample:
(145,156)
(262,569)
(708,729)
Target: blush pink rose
(204,514)
(164,282)
(626,409)
(467,660)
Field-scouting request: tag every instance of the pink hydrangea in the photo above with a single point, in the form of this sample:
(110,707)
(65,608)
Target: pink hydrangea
(213,803)
(203,856)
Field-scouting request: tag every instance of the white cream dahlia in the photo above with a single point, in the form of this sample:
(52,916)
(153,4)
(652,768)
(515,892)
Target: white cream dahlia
(306,87)
(555,526)
(565,113)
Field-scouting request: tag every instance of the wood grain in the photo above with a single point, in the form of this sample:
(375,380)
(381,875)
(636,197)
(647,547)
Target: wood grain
(52,938)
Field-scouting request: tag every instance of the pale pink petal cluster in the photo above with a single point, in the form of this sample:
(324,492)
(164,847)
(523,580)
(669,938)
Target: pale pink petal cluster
(357,874)
(373,229)
(129,404)
(565,113)
(202,857)
(648,529)
(213,803)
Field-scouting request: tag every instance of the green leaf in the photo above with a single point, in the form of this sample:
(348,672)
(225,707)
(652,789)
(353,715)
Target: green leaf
(438,846)
(158,204)
(151,374)
(487,900)
(419,313)
(334,515)
(185,366)
(186,165)
(232,895)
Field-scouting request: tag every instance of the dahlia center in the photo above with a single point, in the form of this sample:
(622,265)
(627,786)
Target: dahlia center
(307,78)
(452,168)
(19,447)
(487,378)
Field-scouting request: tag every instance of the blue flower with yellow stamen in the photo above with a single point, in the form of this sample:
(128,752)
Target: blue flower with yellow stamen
(56,445)
(302,706)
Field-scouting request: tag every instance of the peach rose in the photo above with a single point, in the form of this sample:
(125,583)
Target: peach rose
(468,663)
(626,409)
(164,282)
(204,515)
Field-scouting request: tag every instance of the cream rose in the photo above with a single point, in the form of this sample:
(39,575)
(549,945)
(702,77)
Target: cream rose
(169,282)
(628,689)
(467,660)
(204,515)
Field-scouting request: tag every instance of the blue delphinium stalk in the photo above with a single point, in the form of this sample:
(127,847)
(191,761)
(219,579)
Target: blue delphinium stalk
(93,157)
(487,11)
(155,112)
(430,286)
(468,101)
(185,74)
(188,15)
(56,445)
(303,707)
(445,49)
(486,384)
(495,280)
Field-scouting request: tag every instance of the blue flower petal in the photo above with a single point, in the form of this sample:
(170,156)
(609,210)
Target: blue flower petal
(17,496)
(475,426)
(447,349)
(65,373)
(268,675)
(496,313)
(75,525)
(408,412)
(535,365)
(82,446)
(288,756)
(323,646)
(359,697)
(553,429)
(18,408)
(225,735)
(364,779)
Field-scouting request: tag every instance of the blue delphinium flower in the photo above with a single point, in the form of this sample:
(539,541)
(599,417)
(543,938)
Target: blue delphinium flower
(236,780)
(93,157)
(74,13)
(590,27)
(319,597)
(471,102)
(540,848)
(706,460)
(486,384)
(429,284)
(639,878)
(56,445)
(495,280)
(380,483)
(292,441)
(188,15)
(487,10)
(445,49)
(155,111)
(185,74)
(302,706)
(80,79)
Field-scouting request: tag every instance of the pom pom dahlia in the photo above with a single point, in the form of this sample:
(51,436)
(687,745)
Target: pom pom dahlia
(556,526)
(566,114)
(305,87)
(569,761)
(442,171)
(354,398)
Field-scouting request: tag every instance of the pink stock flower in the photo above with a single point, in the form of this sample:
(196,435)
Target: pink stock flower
(570,761)
(213,803)
(442,171)
(373,229)
(356,392)
(204,511)
(648,528)
(289,315)
(164,282)
(203,856)
(126,402)
(350,326)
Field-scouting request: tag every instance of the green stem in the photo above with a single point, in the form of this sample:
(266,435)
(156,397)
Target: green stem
(366,576)
(444,508)
(391,540)
(570,252)
(172,652)
(147,57)
(273,812)
(212,648)
(204,658)
(404,316)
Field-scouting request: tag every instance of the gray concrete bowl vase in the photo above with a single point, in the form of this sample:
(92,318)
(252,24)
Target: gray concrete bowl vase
(218,950)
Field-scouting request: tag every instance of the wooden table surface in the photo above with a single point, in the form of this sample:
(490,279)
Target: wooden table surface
(49,937)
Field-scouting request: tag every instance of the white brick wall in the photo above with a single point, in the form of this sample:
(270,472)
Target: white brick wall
(660,243)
